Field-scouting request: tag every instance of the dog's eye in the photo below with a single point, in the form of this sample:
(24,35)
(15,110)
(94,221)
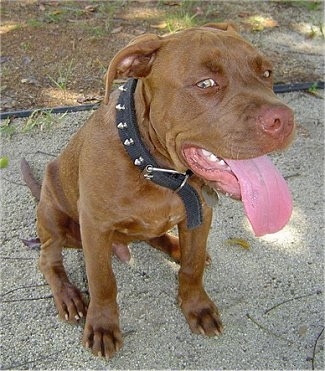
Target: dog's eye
(208,83)
(267,74)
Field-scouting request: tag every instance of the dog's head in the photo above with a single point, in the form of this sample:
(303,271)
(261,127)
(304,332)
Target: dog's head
(223,78)
(210,103)
(136,59)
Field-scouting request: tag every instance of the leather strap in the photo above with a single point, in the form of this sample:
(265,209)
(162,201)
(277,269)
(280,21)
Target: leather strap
(126,123)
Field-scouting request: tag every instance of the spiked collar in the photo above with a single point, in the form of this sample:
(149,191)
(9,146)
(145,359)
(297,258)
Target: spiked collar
(126,123)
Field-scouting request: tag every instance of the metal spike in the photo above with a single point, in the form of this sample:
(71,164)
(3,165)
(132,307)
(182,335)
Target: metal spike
(138,161)
(128,142)
(122,88)
(122,125)
(120,107)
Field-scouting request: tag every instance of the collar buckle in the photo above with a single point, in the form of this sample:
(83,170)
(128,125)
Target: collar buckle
(149,170)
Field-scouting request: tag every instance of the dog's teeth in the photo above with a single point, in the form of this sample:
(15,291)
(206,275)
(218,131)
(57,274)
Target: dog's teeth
(210,156)
(206,153)
(213,158)
(221,162)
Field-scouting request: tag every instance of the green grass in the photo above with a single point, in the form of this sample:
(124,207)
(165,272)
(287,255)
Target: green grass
(25,46)
(7,129)
(34,23)
(190,14)
(38,120)
(310,5)
(182,17)
(63,76)
(108,8)
(99,30)
(41,120)
(178,22)
(313,89)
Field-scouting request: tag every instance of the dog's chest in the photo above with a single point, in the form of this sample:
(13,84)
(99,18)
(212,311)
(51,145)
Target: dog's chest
(151,216)
(144,229)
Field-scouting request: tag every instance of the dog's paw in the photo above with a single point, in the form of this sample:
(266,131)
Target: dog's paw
(169,244)
(203,317)
(69,303)
(102,334)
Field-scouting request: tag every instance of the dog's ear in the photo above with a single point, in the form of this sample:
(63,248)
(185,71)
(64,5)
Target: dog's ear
(222,26)
(135,60)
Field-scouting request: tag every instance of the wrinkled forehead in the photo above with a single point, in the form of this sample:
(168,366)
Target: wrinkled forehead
(209,36)
(208,45)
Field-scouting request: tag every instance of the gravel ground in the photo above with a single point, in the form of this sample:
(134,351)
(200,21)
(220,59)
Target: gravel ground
(270,296)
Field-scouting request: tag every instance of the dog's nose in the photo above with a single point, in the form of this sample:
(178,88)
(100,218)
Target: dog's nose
(277,121)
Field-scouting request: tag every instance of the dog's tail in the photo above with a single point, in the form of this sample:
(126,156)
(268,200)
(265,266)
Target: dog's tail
(29,179)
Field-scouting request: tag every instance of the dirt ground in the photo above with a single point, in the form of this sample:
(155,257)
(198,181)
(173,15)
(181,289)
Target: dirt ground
(55,53)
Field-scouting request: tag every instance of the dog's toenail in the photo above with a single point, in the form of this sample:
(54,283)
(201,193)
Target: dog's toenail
(202,332)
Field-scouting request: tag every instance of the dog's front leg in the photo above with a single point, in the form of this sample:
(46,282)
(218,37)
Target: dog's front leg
(102,331)
(199,310)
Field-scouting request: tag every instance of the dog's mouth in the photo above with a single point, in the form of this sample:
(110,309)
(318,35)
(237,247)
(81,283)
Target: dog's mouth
(256,182)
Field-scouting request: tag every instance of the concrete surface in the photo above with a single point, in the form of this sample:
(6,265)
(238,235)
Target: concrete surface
(270,296)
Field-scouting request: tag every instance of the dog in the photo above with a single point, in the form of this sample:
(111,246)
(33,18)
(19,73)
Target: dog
(196,116)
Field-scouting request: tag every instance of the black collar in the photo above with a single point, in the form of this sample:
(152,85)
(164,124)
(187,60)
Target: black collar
(129,134)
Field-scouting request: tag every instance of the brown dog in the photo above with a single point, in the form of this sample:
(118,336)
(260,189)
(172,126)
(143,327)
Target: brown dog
(198,114)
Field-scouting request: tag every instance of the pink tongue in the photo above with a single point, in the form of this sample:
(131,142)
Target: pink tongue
(264,193)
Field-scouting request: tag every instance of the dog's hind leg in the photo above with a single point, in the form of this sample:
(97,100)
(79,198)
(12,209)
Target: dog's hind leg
(168,244)
(52,231)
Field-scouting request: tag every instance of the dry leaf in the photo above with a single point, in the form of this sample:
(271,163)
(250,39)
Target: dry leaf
(239,242)
(171,3)
(89,98)
(91,8)
(244,14)
(56,12)
(116,30)
(159,26)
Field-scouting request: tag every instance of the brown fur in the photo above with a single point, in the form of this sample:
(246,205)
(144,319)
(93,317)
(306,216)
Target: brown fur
(92,194)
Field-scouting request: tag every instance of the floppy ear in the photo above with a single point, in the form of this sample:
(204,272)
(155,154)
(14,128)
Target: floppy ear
(135,60)
(222,26)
